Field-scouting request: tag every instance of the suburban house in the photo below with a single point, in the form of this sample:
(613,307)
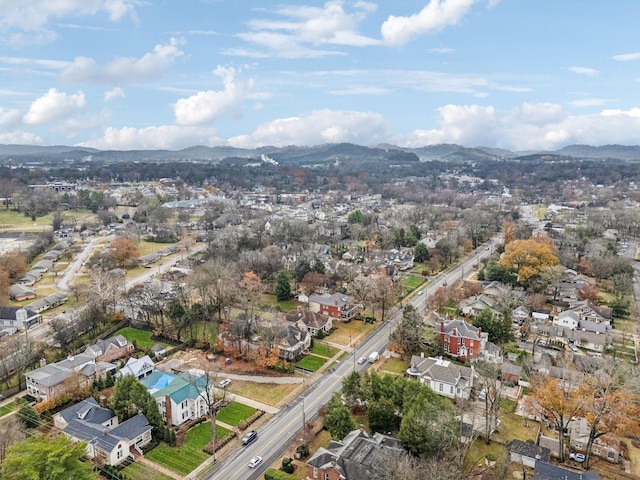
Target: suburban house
(336,305)
(137,367)
(358,456)
(13,319)
(31,277)
(294,342)
(547,471)
(476,304)
(108,441)
(527,453)
(54,379)
(461,340)
(50,301)
(443,377)
(520,314)
(314,321)
(578,429)
(568,319)
(511,373)
(590,311)
(110,349)
(180,397)
(19,292)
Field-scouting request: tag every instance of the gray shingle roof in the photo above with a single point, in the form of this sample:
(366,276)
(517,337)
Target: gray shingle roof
(531,450)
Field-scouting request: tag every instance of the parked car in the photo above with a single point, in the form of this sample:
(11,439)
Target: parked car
(249,437)
(224,383)
(255,461)
(577,457)
(361,360)
(573,347)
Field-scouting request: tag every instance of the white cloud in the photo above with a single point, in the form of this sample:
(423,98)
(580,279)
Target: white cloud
(9,118)
(443,50)
(463,124)
(20,138)
(589,72)
(114,93)
(172,137)
(360,90)
(627,57)
(437,15)
(302,28)
(123,69)
(206,106)
(528,127)
(54,106)
(318,127)
(28,21)
(589,102)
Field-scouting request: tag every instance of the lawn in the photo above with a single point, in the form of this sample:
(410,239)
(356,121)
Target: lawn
(311,363)
(411,283)
(324,350)
(146,248)
(140,471)
(269,393)
(352,331)
(395,365)
(186,458)
(12,220)
(233,413)
(141,337)
(478,452)
(512,427)
(270,301)
(7,409)
(321,440)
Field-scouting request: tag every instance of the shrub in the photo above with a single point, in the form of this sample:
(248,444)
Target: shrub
(287,465)
(273,474)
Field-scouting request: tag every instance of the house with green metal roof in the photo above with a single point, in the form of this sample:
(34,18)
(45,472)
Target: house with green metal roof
(180,397)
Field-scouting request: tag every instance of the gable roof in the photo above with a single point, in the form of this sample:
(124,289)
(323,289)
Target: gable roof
(85,421)
(530,450)
(460,328)
(310,319)
(134,366)
(335,299)
(102,346)
(439,370)
(546,471)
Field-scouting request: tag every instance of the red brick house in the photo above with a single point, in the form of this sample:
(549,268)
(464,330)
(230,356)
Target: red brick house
(336,305)
(461,340)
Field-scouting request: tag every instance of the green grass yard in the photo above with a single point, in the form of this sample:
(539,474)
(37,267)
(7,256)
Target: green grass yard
(395,365)
(233,413)
(270,301)
(141,337)
(323,350)
(186,458)
(412,283)
(311,363)
(7,409)
(268,393)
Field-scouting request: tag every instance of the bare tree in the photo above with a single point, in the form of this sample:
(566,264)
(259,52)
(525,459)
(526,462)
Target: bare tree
(11,431)
(492,389)
(205,386)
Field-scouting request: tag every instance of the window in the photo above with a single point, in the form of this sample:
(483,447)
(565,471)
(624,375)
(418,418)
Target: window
(451,389)
(610,455)
(315,472)
(471,343)
(471,352)
(441,387)
(326,476)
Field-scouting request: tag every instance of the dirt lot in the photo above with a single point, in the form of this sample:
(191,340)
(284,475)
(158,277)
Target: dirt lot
(198,359)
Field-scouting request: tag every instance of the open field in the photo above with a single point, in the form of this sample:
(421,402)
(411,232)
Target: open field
(269,393)
(233,413)
(11,220)
(270,301)
(412,283)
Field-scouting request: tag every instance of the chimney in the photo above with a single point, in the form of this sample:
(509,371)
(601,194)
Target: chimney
(103,401)
(421,354)
(43,362)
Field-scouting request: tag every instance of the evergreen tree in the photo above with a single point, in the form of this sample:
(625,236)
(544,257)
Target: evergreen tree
(337,419)
(28,416)
(283,286)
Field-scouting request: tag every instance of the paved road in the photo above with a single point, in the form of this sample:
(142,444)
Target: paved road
(276,436)
(74,266)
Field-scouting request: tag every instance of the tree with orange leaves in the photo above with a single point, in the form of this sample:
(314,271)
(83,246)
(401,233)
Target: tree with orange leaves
(608,405)
(556,401)
(123,250)
(529,258)
(509,232)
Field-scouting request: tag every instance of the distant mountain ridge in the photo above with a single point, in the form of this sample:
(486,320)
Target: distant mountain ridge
(318,154)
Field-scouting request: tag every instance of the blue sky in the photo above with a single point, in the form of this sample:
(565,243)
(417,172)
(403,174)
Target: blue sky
(142,74)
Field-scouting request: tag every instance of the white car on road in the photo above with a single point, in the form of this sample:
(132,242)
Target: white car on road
(255,461)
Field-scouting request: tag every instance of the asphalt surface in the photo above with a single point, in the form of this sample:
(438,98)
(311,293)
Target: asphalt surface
(277,435)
